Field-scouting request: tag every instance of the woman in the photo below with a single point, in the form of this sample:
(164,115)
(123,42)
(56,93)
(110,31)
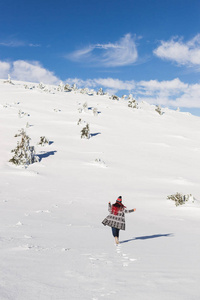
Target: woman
(116,218)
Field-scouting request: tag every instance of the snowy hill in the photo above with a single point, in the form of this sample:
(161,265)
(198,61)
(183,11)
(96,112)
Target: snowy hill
(53,245)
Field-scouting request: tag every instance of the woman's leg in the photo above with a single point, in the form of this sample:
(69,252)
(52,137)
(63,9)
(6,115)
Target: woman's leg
(115,232)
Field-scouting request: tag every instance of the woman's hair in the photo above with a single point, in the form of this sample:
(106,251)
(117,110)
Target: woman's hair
(116,207)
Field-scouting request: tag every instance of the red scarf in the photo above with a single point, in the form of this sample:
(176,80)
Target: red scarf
(117,208)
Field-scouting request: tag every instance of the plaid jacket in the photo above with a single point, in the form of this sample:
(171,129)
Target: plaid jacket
(116,221)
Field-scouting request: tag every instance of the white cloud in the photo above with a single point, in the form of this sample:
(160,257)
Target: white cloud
(4,69)
(27,71)
(108,83)
(183,53)
(121,53)
(17,43)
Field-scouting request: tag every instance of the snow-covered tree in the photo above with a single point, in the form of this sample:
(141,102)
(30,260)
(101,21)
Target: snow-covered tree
(67,88)
(85,132)
(41,86)
(95,111)
(84,91)
(123,97)
(85,106)
(74,87)
(24,154)
(100,92)
(132,103)
(8,80)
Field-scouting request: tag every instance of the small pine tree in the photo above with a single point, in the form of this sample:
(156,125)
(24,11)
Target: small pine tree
(24,154)
(85,132)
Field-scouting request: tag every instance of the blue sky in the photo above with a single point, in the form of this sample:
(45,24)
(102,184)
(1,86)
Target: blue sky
(150,48)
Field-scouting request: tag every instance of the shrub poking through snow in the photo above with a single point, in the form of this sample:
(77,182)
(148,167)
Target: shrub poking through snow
(158,109)
(22,114)
(85,132)
(85,106)
(24,154)
(100,162)
(114,97)
(95,111)
(132,103)
(180,199)
(43,141)
(79,122)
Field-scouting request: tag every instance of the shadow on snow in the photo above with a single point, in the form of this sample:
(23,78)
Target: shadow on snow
(94,134)
(147,237)
(45,154)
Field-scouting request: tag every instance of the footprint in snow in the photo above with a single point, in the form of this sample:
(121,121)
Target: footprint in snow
(125,259)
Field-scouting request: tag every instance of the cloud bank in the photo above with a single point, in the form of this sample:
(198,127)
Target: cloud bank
(27,71)
(121,53)
(172,93)
(176,50)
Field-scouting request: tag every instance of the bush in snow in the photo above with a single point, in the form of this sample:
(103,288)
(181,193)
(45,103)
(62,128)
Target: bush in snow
(114,97)
(132,103)
(180,199)
(24,154)
(85,132)
(158,109)
(43,141)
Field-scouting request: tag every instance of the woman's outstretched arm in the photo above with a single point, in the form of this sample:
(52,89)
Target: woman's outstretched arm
(130,210)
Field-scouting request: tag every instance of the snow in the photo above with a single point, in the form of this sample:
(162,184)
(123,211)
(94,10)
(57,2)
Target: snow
(53,245)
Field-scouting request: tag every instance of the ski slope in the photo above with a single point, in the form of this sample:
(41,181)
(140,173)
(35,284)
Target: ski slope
(53,245)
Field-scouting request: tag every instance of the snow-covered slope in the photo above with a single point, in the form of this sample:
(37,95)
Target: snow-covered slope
(53,245)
